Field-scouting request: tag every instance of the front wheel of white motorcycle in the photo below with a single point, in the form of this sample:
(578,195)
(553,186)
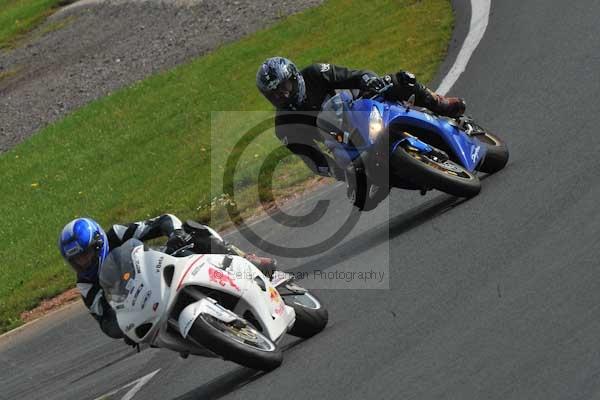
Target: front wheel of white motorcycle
(311,315)
(237,341)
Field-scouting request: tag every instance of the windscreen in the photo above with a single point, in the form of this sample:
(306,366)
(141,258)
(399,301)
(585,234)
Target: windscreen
(331,118)
(118,272)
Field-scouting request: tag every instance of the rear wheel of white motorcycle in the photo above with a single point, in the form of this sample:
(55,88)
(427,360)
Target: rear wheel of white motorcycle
(446,176)
(311,315)
(496,156)
(237,341)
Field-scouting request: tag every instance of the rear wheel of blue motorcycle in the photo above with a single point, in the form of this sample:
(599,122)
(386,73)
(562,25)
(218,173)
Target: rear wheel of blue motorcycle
(238,342)
(496,156)
(446,176)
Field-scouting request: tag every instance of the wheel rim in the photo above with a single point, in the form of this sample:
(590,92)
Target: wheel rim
(245,335)
(447,167)
(305,300)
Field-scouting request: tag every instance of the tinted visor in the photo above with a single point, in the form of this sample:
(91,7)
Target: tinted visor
(83,261)
(282,95)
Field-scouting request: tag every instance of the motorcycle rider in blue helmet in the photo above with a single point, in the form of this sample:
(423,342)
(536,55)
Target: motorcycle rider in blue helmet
(85,245)
(299,94)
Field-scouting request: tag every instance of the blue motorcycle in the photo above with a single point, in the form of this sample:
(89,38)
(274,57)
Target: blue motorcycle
(383,144)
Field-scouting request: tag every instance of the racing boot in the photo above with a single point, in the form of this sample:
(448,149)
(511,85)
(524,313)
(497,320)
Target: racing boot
(404,84)
(266,265)
(452,107)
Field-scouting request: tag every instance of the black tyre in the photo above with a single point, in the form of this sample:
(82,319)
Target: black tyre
(497,153)
(238,342)
(446,176)
(311,316)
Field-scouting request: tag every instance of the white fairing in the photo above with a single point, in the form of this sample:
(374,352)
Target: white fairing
(206,306)
(239,279)
(145,297)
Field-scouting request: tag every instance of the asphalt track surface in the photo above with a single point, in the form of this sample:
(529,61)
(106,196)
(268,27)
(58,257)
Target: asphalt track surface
(497,297)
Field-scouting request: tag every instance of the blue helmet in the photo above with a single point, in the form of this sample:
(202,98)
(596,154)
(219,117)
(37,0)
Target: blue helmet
(279,80)
(84,245)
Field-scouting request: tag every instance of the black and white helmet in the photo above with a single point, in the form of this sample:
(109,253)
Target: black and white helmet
(279,80)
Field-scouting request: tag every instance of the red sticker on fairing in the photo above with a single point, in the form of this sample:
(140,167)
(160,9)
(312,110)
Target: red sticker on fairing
(279,309)
(221,278)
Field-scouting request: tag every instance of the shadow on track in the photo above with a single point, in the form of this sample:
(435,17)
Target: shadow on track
(396,226)
(229,382)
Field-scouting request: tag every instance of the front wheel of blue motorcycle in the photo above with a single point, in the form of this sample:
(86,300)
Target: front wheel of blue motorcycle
(496,155)
(431,172)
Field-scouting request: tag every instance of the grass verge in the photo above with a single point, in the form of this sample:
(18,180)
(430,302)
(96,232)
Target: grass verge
(18,17)
(147,149)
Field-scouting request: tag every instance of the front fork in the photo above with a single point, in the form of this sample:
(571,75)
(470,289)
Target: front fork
(412,143)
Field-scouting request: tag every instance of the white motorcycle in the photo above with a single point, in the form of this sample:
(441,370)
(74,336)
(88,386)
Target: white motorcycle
(207,304)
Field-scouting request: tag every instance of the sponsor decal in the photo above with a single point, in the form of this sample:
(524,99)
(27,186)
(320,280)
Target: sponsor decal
(325,67)
(146,297)
(187,271)
(222,278)
(136,261)
(130,286)
(279,309)
(197,269)
(154,307)
(137,293)
(159,265)
(136,264)
(475,153)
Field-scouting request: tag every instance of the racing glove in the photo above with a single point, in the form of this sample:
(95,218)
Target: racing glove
(177,240)
(372,83)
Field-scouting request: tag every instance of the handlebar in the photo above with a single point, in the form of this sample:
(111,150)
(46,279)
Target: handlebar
(382,91)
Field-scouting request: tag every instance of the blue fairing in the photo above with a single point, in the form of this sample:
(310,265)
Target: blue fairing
(467,151)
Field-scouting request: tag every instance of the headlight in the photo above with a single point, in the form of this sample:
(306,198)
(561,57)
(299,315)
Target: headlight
(375,124)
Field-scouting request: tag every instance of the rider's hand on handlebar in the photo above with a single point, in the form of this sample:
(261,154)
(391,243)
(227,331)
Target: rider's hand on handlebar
(372,83)
(177,240)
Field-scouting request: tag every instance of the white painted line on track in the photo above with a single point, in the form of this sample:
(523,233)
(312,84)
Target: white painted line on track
(480,13)
(139,383)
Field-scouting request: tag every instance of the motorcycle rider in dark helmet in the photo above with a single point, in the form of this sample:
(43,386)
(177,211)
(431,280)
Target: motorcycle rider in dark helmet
(85,245)
(299,94)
